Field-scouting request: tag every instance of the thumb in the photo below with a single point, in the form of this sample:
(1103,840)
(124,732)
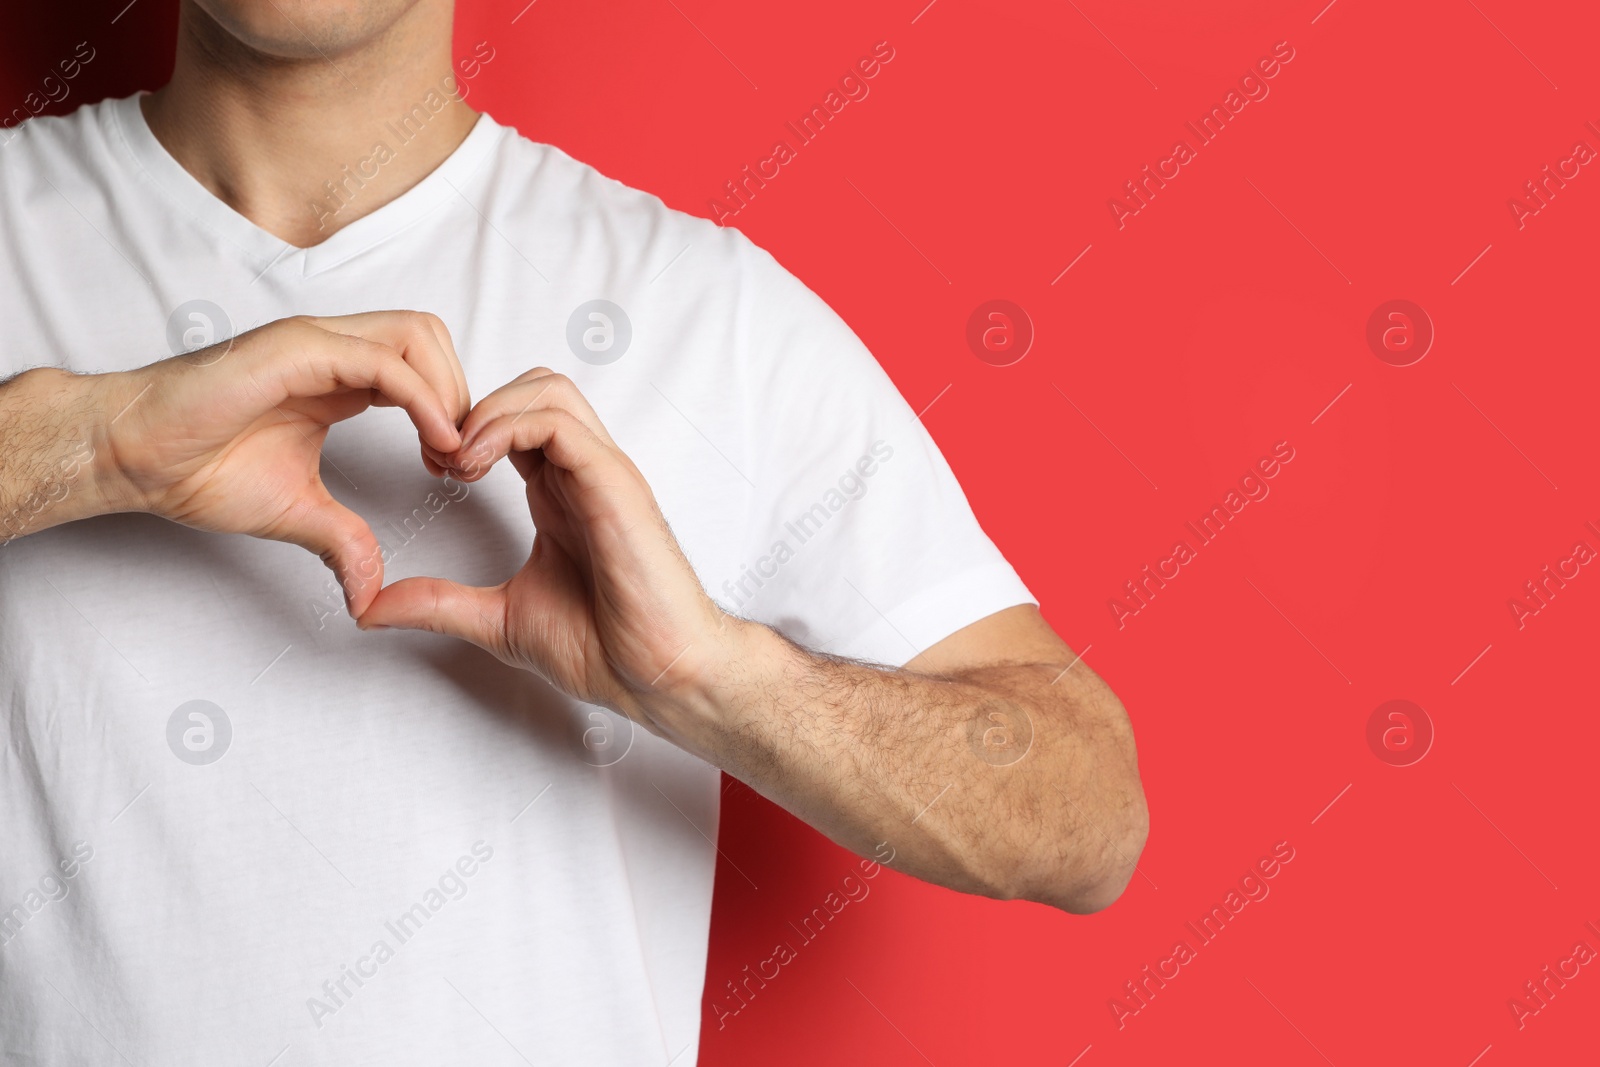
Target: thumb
(442,607)
(347,545)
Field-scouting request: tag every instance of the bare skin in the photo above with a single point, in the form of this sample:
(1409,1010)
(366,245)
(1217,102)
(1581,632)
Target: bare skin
(995,762)
(228,439)
(269,100)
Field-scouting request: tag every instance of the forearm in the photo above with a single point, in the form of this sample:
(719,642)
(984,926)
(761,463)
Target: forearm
(52,437)
(993,781)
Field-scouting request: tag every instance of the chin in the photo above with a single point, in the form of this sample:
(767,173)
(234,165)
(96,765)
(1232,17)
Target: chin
(303,29)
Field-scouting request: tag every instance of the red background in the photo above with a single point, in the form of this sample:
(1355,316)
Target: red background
(1222,319)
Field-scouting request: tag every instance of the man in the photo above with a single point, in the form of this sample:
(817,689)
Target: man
(238,827)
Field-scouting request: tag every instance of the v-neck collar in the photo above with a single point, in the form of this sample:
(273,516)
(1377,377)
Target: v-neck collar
(262,249)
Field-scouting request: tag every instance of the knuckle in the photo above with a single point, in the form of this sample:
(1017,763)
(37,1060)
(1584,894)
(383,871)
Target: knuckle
(376,349)
(568,423)
(296,330)
(561,389)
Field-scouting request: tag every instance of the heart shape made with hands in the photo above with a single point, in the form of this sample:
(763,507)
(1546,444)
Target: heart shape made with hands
(607,604)
(230,439)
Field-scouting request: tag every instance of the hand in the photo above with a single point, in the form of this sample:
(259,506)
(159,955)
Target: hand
(607,608)
(229,438)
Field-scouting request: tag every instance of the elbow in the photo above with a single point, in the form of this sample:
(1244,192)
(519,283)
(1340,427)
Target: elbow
(1087,869)
(1081,821)
(1101,879)
(1107,827)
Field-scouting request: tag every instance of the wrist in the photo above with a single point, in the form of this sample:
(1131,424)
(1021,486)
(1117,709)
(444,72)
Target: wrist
(731,678)
(111,397)
(57,457)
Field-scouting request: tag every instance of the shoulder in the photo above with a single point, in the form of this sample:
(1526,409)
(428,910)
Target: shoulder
(594,218)
(47,138)
(708,294)
(58,170)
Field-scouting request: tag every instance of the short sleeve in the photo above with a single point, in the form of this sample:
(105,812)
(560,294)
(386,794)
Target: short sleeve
(859,542)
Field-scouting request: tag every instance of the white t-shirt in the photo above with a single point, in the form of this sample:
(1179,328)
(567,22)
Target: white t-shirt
(233,827)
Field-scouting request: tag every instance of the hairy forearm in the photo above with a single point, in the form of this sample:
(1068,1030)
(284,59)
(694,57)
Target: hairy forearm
(50,440)
(1013,781)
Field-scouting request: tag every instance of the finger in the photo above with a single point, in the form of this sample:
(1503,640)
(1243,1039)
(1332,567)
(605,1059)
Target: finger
(441,606)
(437,462)
(538,389)
(557,434)
(436,324)
(331,361)
(422,340)
(346,544)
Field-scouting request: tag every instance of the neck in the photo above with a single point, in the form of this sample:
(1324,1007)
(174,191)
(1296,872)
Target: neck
(305,146)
